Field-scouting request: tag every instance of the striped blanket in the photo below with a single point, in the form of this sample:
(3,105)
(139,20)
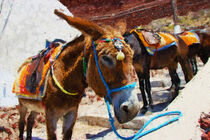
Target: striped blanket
(30,81)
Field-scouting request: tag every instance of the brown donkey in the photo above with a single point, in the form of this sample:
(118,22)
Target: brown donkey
(204,51)
(168,56)
(200,47)
(68,70)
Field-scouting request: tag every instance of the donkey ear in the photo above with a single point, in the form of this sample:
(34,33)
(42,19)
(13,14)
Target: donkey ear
(121,26)
(84,26)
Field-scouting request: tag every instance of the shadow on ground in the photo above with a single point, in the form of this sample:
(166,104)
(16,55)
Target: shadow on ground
(98,135)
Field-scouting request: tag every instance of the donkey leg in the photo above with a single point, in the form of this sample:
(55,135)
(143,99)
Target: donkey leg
(68,124)
(148,90)
(141,85)
(30,123)
(142,89)
(175,83)
(144,98)
(21,124)
(194,66)
(51,122)
(187,70)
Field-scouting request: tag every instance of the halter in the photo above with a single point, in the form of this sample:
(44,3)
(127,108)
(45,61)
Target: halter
(119,46)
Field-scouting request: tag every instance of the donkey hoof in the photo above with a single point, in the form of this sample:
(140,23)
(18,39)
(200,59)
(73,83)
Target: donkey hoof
(144,109)
(29,138)
(172,98)
(151,106)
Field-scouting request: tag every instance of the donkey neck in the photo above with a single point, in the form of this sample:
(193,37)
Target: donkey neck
(69,66)
(141,45)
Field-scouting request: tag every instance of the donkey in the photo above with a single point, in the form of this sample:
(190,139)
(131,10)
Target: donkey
(191,42)
(196,44)
(143,62)
(100,47)
(202,49)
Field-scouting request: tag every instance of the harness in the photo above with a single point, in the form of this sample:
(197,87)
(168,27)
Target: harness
(55,79)
(109,91)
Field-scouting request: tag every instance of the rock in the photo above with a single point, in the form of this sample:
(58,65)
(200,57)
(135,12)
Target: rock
(133,11)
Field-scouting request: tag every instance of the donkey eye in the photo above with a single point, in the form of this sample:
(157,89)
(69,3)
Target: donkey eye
(108,61)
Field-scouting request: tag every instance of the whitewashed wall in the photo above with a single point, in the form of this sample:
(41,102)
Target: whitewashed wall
(30,23)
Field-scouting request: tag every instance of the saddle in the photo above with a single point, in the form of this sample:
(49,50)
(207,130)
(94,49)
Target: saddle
(151,38)
(30,80)
(35,68)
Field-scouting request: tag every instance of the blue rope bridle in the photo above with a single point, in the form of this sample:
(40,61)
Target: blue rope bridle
(109,91)
(108,100)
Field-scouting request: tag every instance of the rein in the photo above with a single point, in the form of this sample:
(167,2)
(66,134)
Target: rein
(111,119)
(108,96)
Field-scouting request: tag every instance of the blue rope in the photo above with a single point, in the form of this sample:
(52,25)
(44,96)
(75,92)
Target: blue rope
(140,134)
(124,87)
(99,70)
(109,91)
(111,119)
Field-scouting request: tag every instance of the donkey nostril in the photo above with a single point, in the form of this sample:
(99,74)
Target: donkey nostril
(125,108)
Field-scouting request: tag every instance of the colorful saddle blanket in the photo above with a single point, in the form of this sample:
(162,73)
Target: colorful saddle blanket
(166,40)
(189,38)
(30,81)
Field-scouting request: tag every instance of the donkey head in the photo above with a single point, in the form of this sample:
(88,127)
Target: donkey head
(204,36)
(109,65)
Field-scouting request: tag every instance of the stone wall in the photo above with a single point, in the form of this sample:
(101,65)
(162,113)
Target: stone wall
(135,12)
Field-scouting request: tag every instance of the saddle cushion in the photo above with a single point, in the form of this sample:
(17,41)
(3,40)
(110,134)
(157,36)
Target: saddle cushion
(29,82)
(150,38)
(166,40)
(189,38)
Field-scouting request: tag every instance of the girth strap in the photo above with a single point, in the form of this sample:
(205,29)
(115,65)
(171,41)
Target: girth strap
(59,85)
